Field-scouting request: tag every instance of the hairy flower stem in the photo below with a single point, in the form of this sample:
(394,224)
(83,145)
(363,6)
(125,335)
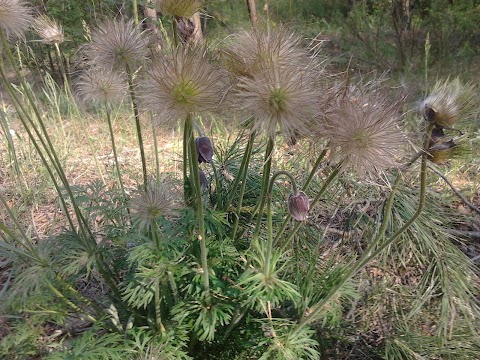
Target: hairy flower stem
(69,303)
(158,310)
(243,169)
(268,270)
(315,168)
(135,11)
(114,148)
(370,253)
(305,186)
(242,176)
(266,176)
(298,224)
(136,114)
(155,147)
(195,181)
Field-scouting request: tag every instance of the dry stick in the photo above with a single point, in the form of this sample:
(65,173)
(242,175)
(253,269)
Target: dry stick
(468,203)
(370,253)
(252,12)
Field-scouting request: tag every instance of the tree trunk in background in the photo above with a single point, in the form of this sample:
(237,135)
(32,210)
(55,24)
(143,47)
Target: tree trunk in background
(252,12)
(150,15)
(197,35)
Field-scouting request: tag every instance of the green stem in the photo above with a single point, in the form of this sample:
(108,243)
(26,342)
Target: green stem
(155,148)
(195,181)
(268,255)
(135,12)
(370,253)
(158,314)
(114,148)
(315,168)
(266,176)
(243,168)
(136,114)
(298,224)
(70,303)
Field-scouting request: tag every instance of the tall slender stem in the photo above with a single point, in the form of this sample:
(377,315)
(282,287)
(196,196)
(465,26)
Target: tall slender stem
(315,168)
(269,250)
(114,148)
(195,181)
(137,123)
(370,253)
(243,168)
(265,178)
(155,147)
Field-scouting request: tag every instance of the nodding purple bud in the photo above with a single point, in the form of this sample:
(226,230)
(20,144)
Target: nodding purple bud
(298,206)
(429,113)
(437,134)
(203,181)
(204,149)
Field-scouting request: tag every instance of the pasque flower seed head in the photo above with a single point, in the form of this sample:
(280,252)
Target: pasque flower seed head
(100,86)
(15,17)
(148,206)
(279,96)
(49,30)
(116,45)
(179,8)
(183,82)
(449,102)
(364,131)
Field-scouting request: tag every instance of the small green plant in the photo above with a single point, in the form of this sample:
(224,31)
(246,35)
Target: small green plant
(232,253)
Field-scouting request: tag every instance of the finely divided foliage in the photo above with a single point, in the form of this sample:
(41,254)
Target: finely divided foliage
(237,269)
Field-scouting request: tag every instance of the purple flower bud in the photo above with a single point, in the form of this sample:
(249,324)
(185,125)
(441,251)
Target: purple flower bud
(298,206)
(204,149)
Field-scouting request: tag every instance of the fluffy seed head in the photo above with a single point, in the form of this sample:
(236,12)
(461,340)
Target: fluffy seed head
(101,86)
(279,96)
(49,30)
(449,102)
(116,45)
(15,17)
(250,52)
(148,206)
(179,8)
(184,82)
(364,131)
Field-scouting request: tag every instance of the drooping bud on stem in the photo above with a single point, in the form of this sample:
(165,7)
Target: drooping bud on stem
(204,149)
(298,205)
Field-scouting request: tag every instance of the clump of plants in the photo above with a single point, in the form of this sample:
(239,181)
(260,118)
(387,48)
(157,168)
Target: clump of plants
(233,259)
